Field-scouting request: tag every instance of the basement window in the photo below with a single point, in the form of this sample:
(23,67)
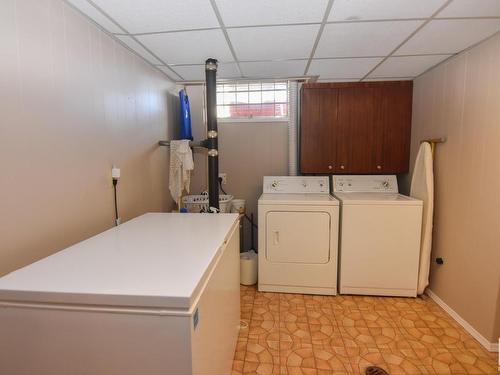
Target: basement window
(252,101)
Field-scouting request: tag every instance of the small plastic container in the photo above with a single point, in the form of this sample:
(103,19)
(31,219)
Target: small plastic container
(248,267)
(238,206)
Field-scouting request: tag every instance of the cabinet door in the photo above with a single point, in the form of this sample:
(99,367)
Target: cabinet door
(317,126)
(393,118)
(357,136)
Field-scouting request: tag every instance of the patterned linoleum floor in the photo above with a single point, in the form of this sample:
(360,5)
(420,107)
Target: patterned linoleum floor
(305,334)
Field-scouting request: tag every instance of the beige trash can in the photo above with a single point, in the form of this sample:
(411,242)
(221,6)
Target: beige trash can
(248,267)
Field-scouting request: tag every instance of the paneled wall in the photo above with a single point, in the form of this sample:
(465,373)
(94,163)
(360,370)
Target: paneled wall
(73,102)
(460,100)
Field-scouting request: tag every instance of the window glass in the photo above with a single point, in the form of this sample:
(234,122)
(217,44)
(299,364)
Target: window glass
(252,100)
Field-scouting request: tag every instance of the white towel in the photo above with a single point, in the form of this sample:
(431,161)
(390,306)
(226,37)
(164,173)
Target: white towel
(422,187)
(181,165)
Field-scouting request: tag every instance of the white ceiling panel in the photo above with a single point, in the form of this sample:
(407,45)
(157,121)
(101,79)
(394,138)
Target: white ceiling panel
(139,49)
(363,38)
(85,7)
(169,72)
(406,66)
(388,79)
(275,38)
(197,72)
(265,12)
(160,15)
(449,36)
(273,69)
(343,68)
(337,80)
(273,43)
(188,47)
(471,8)
(350,10)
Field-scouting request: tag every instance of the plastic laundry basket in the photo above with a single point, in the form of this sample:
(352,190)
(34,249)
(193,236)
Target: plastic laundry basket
(199,203)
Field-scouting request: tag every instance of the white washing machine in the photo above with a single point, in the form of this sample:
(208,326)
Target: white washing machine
(298,236)
(379,236)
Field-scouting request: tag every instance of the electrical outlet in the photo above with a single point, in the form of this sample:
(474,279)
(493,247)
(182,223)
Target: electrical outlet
(223,176)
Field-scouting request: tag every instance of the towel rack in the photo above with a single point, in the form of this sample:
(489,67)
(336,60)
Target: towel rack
(433,142)
(191,144)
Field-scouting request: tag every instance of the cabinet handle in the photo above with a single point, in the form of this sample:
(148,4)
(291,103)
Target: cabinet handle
(379,167)
(330,167)
(342,167)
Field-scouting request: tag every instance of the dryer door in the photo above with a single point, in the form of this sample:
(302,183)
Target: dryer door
(298,237)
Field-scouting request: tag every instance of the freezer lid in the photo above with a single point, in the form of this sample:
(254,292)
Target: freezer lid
(376,198)
(154,260)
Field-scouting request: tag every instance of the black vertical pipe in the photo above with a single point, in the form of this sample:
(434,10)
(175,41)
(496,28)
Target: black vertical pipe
(211,142)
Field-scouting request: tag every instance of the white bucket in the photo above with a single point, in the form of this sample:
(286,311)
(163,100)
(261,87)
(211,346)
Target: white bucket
(238,206)
(248,267)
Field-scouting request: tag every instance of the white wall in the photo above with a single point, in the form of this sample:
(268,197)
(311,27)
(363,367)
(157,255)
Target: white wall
(73,102)
(460,100)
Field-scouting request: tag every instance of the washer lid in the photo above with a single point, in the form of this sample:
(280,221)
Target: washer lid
(298,199)
(377,198)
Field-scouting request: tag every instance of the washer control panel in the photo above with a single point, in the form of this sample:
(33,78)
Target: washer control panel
(296,184)
(365,183)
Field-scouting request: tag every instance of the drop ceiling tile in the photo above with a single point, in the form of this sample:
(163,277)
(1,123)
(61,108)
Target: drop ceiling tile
(273,69)
(274,42)
(406,66)
(188,47)
(131,43)
(349,10)
(337,80)
(169,72)
(343,68)
(160,15)
(197,72)
(364,38)
(265,12)
(449,36)
(90,11)
(468,8)
(387,79)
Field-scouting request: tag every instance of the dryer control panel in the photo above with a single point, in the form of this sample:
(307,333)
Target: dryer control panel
(365,183)
(296,184)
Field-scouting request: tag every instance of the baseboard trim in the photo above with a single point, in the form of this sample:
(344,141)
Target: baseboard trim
(490,346)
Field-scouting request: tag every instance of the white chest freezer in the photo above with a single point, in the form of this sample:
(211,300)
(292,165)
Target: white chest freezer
(156,295)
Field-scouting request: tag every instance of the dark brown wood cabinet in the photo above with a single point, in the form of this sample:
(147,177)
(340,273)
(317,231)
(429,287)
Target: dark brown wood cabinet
(359,127)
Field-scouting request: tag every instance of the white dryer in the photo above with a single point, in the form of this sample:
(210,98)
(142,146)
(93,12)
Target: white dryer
(298,236)
(379,236)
